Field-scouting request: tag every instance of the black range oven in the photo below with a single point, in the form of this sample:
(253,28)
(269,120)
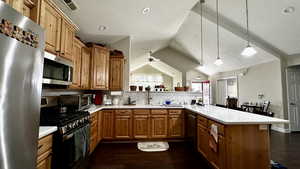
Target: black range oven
(71,141)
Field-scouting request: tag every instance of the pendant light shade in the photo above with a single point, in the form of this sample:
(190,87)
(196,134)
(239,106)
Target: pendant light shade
(249,50)
(218,62)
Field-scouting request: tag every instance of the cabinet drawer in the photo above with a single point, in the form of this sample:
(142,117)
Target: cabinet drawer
(44,144)
(141,111)
(175,111)
(159,111)
(221,130)
(123,112)
(202,121)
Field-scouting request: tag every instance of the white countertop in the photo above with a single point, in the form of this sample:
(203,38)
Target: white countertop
(46,130)
(219,114)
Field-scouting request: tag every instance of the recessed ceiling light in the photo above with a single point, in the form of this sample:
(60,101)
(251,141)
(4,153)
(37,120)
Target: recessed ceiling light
(288,10)
(146,10)
(102,28)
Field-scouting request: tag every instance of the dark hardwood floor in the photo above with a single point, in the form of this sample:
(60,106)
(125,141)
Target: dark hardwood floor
(285,149)
(127,156)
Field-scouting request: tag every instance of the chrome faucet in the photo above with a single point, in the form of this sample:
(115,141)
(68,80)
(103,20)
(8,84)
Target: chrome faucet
(149,98)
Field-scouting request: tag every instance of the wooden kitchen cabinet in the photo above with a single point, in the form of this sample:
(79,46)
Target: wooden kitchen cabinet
(77,54)
(93,131)
(202,140)
(16,4)
(159,123)
(44,152)
(100,68)
(108,124)
(116,72)
(176,124)
(67,37)
(141,124)
(123,124)
(85,68)
(51,21)
(217,159)
(99,127)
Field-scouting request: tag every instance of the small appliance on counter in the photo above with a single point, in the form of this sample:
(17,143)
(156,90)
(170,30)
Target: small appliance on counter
(106,100)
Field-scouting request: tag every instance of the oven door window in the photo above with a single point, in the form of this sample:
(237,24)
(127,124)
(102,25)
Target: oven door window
(56,71)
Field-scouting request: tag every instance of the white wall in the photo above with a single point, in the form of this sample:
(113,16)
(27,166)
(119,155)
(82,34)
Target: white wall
(192,75)
(263,79)
(293,60)
(124,45)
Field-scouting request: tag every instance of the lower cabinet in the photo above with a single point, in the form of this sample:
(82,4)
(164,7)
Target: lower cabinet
(216,158)
(123,124)
(176,124)
(108,124)
(93,131)
(44,152)
(159,124)
(141,124)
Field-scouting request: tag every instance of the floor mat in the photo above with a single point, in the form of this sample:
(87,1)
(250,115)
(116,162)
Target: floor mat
(153,146)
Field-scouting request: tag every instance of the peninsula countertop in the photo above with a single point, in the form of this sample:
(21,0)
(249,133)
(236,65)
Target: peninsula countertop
(219,114)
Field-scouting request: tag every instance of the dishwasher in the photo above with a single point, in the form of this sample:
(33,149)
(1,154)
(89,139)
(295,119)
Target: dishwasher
(191,129)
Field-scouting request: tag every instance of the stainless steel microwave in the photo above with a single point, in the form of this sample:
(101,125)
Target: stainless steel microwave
(57,70)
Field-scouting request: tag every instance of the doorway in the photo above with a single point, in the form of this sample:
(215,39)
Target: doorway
(293,85)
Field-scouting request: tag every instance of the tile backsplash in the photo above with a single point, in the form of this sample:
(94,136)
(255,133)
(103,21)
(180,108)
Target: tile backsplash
(160,97)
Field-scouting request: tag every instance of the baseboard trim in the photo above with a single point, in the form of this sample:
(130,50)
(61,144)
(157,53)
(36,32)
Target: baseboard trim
(281,130)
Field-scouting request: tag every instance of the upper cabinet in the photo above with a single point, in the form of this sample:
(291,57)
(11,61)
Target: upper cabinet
(85,68)
(67,35)
(77,54)
(51,21)
(59,31)
(100,68)
(116,72)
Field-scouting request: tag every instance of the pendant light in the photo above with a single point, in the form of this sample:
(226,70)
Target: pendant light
(219,61)
(249,50)
(201,3)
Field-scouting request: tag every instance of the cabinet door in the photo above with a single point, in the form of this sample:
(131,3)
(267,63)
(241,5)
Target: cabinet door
(16,4)
(159,126)
(93,131)
(67,36)
(123,126)
(45,164)
(99,126)
(51,22)
(141,126)
(108,124)
(100,69)
(202,139)
(85,68)
(77,64)
(116,74)
(217,159)
(176,126)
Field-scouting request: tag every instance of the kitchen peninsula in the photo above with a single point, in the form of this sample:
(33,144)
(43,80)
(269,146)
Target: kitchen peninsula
(242,138)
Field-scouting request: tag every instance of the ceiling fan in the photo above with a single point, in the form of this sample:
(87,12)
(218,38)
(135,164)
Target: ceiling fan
(151,58)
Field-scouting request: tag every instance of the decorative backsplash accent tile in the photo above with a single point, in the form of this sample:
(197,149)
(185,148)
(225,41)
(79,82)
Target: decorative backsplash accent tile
(13,31)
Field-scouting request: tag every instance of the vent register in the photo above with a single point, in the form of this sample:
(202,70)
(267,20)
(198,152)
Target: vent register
(71,4)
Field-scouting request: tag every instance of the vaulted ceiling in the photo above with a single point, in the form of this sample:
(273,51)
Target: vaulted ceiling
(176,24)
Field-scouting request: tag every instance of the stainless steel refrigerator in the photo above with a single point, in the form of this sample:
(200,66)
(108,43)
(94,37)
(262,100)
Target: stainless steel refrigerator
(21,66)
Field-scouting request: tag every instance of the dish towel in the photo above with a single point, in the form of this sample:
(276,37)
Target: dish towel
(213,138)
